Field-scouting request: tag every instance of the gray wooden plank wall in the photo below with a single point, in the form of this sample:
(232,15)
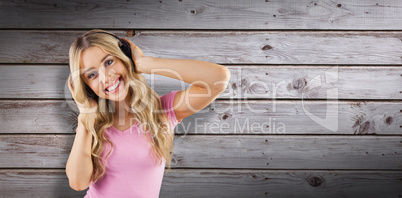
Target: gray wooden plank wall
(313,108)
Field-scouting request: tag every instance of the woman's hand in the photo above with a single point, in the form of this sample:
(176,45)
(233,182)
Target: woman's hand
(137,54)
(85,112)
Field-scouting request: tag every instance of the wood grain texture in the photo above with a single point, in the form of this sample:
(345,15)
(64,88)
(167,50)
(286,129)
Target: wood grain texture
(223,183)
(228,117)
(229,151)
(314,82)
(288,152)
(223,47)
(36,183)
(205,14)
(257,183)
(35,151)
(285,140)
(38,116)
(295,117)
(50,82)
(251,82)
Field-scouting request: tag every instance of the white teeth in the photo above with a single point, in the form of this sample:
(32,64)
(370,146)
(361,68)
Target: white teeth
(112,88)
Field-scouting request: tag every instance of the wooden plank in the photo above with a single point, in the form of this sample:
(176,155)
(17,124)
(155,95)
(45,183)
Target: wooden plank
(257,47)
(223,183)
(288,152)
(295,117)
(36,183)
(38,116)
(271,82)
(35,151)
(34,81)
(257,183)
(229,151)
(205,14)
(228,117)
(315,82)
(50,82)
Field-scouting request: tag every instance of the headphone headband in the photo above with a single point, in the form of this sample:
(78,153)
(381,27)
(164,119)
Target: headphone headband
(106,33)
(124,46)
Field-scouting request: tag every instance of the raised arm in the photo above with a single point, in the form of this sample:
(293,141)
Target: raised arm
(208,80)
(79,164)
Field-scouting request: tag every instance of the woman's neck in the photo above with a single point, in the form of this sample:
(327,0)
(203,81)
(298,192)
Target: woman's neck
(122,113)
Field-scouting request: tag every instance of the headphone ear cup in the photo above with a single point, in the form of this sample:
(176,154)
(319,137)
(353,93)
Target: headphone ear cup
(125,47)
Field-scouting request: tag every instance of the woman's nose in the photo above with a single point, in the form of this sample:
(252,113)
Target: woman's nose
(105,75)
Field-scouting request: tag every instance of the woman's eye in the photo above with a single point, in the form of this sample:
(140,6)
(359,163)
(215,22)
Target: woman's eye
(109,62)
(91,75)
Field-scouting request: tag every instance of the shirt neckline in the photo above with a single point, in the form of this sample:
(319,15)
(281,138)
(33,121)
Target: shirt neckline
(125,131)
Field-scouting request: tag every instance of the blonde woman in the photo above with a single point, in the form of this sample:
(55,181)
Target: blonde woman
(124,137)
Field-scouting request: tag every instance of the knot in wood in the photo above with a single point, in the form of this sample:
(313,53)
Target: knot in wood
(299,83)
(315,181)
(266,47)
(389,120)
(226,116)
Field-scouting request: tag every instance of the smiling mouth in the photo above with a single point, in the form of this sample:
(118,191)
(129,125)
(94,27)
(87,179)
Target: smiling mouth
(114,87)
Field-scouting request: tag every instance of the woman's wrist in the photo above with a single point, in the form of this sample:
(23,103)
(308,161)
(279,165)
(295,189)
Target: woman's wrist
(80,121)
(143,64)
(80,125)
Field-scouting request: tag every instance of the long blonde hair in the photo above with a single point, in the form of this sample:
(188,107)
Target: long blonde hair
(148,111)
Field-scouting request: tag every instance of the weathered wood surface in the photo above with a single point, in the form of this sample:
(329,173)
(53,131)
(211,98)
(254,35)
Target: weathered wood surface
(223,183)
(227,117)
(288,152)
(229,151)
(280,184)
(50,82)
(295,117)
(34,183)
(318,161)
(272,82)
(205,14)
(318,82)
(257,47)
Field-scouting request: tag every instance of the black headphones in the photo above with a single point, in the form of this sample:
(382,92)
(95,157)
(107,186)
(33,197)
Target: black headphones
(124,46)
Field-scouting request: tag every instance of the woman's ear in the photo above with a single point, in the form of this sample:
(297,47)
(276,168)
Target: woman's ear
(71,82)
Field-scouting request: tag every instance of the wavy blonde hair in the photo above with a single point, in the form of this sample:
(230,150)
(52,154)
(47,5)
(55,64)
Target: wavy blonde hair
(147,111)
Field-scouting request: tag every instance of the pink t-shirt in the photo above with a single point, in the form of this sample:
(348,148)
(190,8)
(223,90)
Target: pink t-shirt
(131,170)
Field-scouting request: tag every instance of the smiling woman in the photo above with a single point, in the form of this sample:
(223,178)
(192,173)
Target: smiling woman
(104,73)
(114,100)
(107,74)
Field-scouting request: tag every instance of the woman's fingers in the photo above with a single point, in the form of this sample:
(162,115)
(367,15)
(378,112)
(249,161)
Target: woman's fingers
(136,54)
(135,50)
(131,43)
(83,110)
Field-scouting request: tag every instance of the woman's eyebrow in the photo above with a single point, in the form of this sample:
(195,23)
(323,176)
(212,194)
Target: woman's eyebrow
(87,70)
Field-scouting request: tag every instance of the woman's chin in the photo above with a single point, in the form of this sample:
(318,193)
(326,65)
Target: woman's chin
(122,94)
(117,98)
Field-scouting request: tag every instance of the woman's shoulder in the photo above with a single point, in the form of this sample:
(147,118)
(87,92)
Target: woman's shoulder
(167,101)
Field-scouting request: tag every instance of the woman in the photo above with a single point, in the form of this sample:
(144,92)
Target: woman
(125,130)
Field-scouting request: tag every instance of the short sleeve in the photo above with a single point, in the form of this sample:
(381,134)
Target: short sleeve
(167,104)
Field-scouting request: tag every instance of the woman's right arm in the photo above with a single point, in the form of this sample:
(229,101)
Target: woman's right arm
(79,164)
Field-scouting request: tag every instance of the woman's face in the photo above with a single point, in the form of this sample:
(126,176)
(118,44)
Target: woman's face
(104,74)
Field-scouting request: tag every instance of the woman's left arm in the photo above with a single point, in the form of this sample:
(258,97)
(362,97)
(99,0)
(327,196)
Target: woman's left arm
(195,72)
(208,81)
